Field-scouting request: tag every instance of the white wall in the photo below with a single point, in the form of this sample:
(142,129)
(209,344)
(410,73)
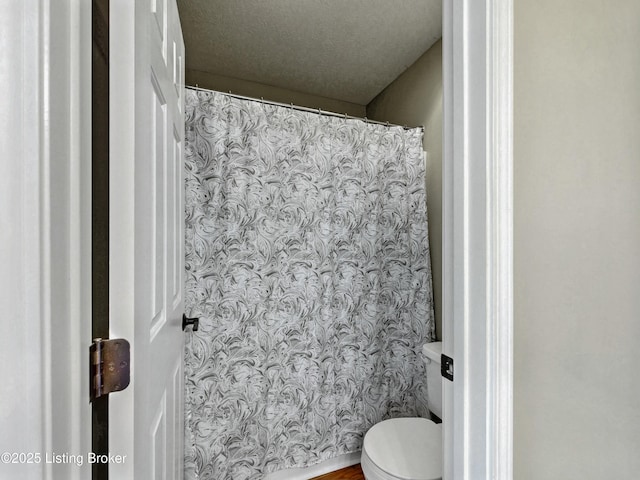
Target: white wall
(577,239)
(415,98)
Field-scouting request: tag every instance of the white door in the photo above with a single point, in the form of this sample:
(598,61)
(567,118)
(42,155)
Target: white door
(147,236)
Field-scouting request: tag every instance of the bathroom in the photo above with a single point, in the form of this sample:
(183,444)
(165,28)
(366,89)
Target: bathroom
(310,58)
(560,125)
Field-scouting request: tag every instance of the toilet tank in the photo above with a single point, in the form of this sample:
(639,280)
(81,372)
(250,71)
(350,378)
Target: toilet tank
(432,352)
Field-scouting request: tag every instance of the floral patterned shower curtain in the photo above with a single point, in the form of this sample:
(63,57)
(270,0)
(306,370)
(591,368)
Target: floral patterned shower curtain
(308,263)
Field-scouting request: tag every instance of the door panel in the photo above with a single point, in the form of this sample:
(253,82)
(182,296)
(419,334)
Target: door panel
(147,240)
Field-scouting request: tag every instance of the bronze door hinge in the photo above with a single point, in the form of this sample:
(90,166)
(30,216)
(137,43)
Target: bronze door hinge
(110,366)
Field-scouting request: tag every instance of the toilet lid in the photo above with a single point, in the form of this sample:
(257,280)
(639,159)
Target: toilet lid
(406,448)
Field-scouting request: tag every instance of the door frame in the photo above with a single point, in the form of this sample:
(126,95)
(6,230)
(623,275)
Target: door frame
(45,279)
(478,238)
(53,140)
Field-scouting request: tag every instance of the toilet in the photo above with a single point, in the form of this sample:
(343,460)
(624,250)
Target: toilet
(408,448)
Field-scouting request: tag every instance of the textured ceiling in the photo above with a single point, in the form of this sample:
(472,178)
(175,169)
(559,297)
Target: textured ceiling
(344,49)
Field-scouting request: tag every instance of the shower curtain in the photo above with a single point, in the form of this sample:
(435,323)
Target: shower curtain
(308,262)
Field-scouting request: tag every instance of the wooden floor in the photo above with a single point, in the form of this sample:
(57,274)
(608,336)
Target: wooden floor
(349,473)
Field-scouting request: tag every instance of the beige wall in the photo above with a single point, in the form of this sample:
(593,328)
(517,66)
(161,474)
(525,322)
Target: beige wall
(577,239)
(415,98)
(275,94)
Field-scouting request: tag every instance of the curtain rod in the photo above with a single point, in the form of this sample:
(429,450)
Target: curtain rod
(303,109)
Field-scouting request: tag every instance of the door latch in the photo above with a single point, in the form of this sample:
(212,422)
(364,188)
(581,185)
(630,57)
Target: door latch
(110,366)
(446,367)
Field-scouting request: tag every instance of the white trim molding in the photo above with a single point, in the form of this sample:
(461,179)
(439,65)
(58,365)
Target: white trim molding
(45,249)
(478,244)
(500,262)
(24,251)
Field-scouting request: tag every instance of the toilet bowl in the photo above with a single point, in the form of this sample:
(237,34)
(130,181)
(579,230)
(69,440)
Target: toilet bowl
(408,448)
